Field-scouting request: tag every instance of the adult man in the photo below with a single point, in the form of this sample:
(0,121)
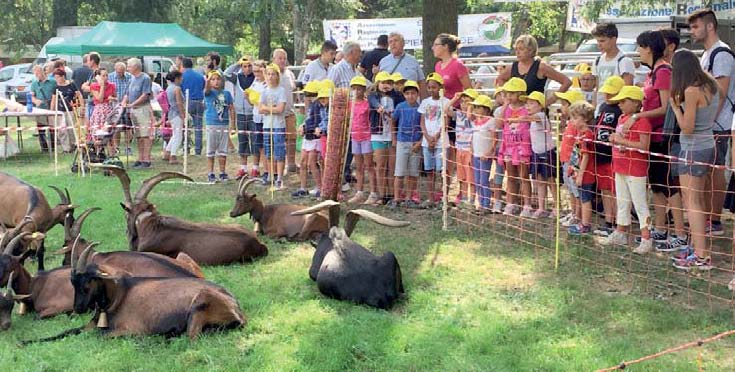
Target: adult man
(83,73)
(212,61)
(612,61)
(370,63)
(280,58)
(400,61)
(93,62)
(121,79)
(318,69)
(42,90)
(721,65)
(141,113)
(239,77)
(193,83)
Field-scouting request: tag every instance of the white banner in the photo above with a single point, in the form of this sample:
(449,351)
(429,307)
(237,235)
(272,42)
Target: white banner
(474,30)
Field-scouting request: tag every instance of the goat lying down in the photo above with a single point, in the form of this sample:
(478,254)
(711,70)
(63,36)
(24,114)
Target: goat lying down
(345,270)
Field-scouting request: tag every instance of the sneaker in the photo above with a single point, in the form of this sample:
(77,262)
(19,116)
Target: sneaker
(527,212)
(345,187)
(254,173)
(241,173)
(510,210)
(265,180)
(300,193)
(394,204)
(357,199)
(566,218)
(224,177)
(426,204)
(603,231)
(458,200)
(645,247)
(373,199)
(715,229)
(694,262)
(498,207)
(415,198)
(674,244)
(552,214)
(315,192)
(658,236)
(682,253)
(128,151)
(580,229)
(211,178)
(570,222)
(615,238)
(410,204)
(279,185)
(438,197)
(539,213)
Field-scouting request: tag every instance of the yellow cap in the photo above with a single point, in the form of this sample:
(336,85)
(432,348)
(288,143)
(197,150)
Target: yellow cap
(212,73)
(358,80)
(410,84)
(382,76)
(498,90)
(312,87)
(435,77)
(469,92)
(396,76)
(484,101)
(253,95)
(536,96)
(274,67)
(326,83)
(613,85)
(583,68)
(631,92)
(323,93)
(244,60)
(570,96)
(515,85)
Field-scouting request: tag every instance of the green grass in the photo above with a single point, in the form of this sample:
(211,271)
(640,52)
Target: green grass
(475,301)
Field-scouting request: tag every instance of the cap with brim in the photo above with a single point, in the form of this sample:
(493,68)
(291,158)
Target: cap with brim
(213,72)
(498,90)
(571,96)
(326,83)
(629,92)
(312,87)
(358,80)
(274,67)
(244,60)
(536,96)
(435,78)
(515,85)
(612,85)
(410,84)
(469,92)
(483,101)
(382,76)
(323,93)
(396,76)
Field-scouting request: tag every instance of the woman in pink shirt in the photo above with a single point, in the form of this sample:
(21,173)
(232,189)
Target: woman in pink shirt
(456,79)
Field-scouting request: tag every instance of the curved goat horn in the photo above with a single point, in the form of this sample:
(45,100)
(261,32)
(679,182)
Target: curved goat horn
(64,197)
(150,183)
(10,284)
(13,243)
(83,258)
(354,216)
(73,250)
(124,180)
(76,229)
(331,205)
(244,184)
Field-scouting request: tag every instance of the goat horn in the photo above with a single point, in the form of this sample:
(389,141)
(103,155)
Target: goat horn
(150,183)
(10,284)
(121,175)
(82,262)
(73,250)
(354,215)
(244,184)
(316,208)
(64,199)
(76,229)
(68,197)
(16,240)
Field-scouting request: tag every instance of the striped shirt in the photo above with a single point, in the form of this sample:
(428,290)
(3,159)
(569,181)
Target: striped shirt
(342,73)
(121,84)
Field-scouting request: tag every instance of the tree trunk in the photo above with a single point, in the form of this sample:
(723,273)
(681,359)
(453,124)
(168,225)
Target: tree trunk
(302,29)
(564,32)
(438,16)
(264,37)
(64,13)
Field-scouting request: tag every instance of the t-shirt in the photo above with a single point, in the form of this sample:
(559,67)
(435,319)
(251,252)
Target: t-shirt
(43,91)
(360,121)
(723,66)
(452,74)
(273,97)
(69,94)
(384,120)
(541,140)
(193,81)
(409,122)
(431,109)
(631,162)
(611,67)
(139,85)
(464,131)
(567,142)
(652,98)
(109,91)
(217,103)
(408,67)
(258,86)
(315,70)
(481,137)
(606,121)
(583,145)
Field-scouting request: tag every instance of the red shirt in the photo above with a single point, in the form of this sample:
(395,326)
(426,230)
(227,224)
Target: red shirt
(109,91)
(584,145)
(631,162)
(567,142)
(452,74)
(652,98)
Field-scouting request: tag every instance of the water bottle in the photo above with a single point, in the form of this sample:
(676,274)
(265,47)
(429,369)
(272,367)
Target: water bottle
(29,102)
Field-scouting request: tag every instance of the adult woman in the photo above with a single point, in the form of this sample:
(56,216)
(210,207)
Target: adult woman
(532,69)
(456,79)
(175,115)
(694,100)
(71,99)
(102,92)
(656,92)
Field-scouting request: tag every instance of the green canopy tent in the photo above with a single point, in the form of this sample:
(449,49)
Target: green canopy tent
(138,39)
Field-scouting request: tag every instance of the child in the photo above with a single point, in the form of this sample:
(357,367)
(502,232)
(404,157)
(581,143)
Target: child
(607,118)
(565,154)
(432,123)
(582,115)
(311,144)
(464,130)
(631,170)
(586,82)
(408,146)
(497,183)
(543,158)
(483,148)
(361,144)
(254,92)
(102,92)
(382,105)
(272,107)
(326,87)
(398,83)
(219,108)
(516,148)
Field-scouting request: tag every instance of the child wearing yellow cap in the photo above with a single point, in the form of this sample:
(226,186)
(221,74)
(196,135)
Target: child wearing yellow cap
(407,122)
(361,145)
(311,144)
(382,104)
(581,165)
(565,153)
(482,145)
(273,106)
(432,123)
(465,175)
(543,158)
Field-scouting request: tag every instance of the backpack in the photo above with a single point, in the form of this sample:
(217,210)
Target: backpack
(712,62)
(597,62)
(166,130)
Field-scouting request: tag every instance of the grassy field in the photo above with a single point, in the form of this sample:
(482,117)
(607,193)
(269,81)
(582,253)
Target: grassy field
(474,301)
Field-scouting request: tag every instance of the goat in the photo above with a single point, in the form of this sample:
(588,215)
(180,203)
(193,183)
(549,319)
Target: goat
(7,301)
(20,200)
(345,270)
(276,220)
(207,244)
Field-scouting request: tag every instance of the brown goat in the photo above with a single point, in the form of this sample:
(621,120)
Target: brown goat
(207,244)
(276,220)
(19,200)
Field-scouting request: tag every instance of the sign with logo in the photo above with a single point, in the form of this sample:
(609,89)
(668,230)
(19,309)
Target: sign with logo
(474,30)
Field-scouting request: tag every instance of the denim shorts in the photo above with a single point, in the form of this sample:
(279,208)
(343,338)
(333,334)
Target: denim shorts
(544,165)
(586,192)
(432,159)
(685,167)
(278,137)
(569,181)
(249,135)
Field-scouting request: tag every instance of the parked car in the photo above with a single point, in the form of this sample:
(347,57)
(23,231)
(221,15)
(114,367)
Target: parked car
(15,79)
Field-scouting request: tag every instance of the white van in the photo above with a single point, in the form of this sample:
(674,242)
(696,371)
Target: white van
(15,76)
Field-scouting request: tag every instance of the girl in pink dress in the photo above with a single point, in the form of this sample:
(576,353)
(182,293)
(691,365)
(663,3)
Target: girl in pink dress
(515,150)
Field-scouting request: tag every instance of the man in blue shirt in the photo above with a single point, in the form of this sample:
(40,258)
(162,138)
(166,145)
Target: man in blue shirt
(400,61)
(42,90)
(141,114)
(193,82)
